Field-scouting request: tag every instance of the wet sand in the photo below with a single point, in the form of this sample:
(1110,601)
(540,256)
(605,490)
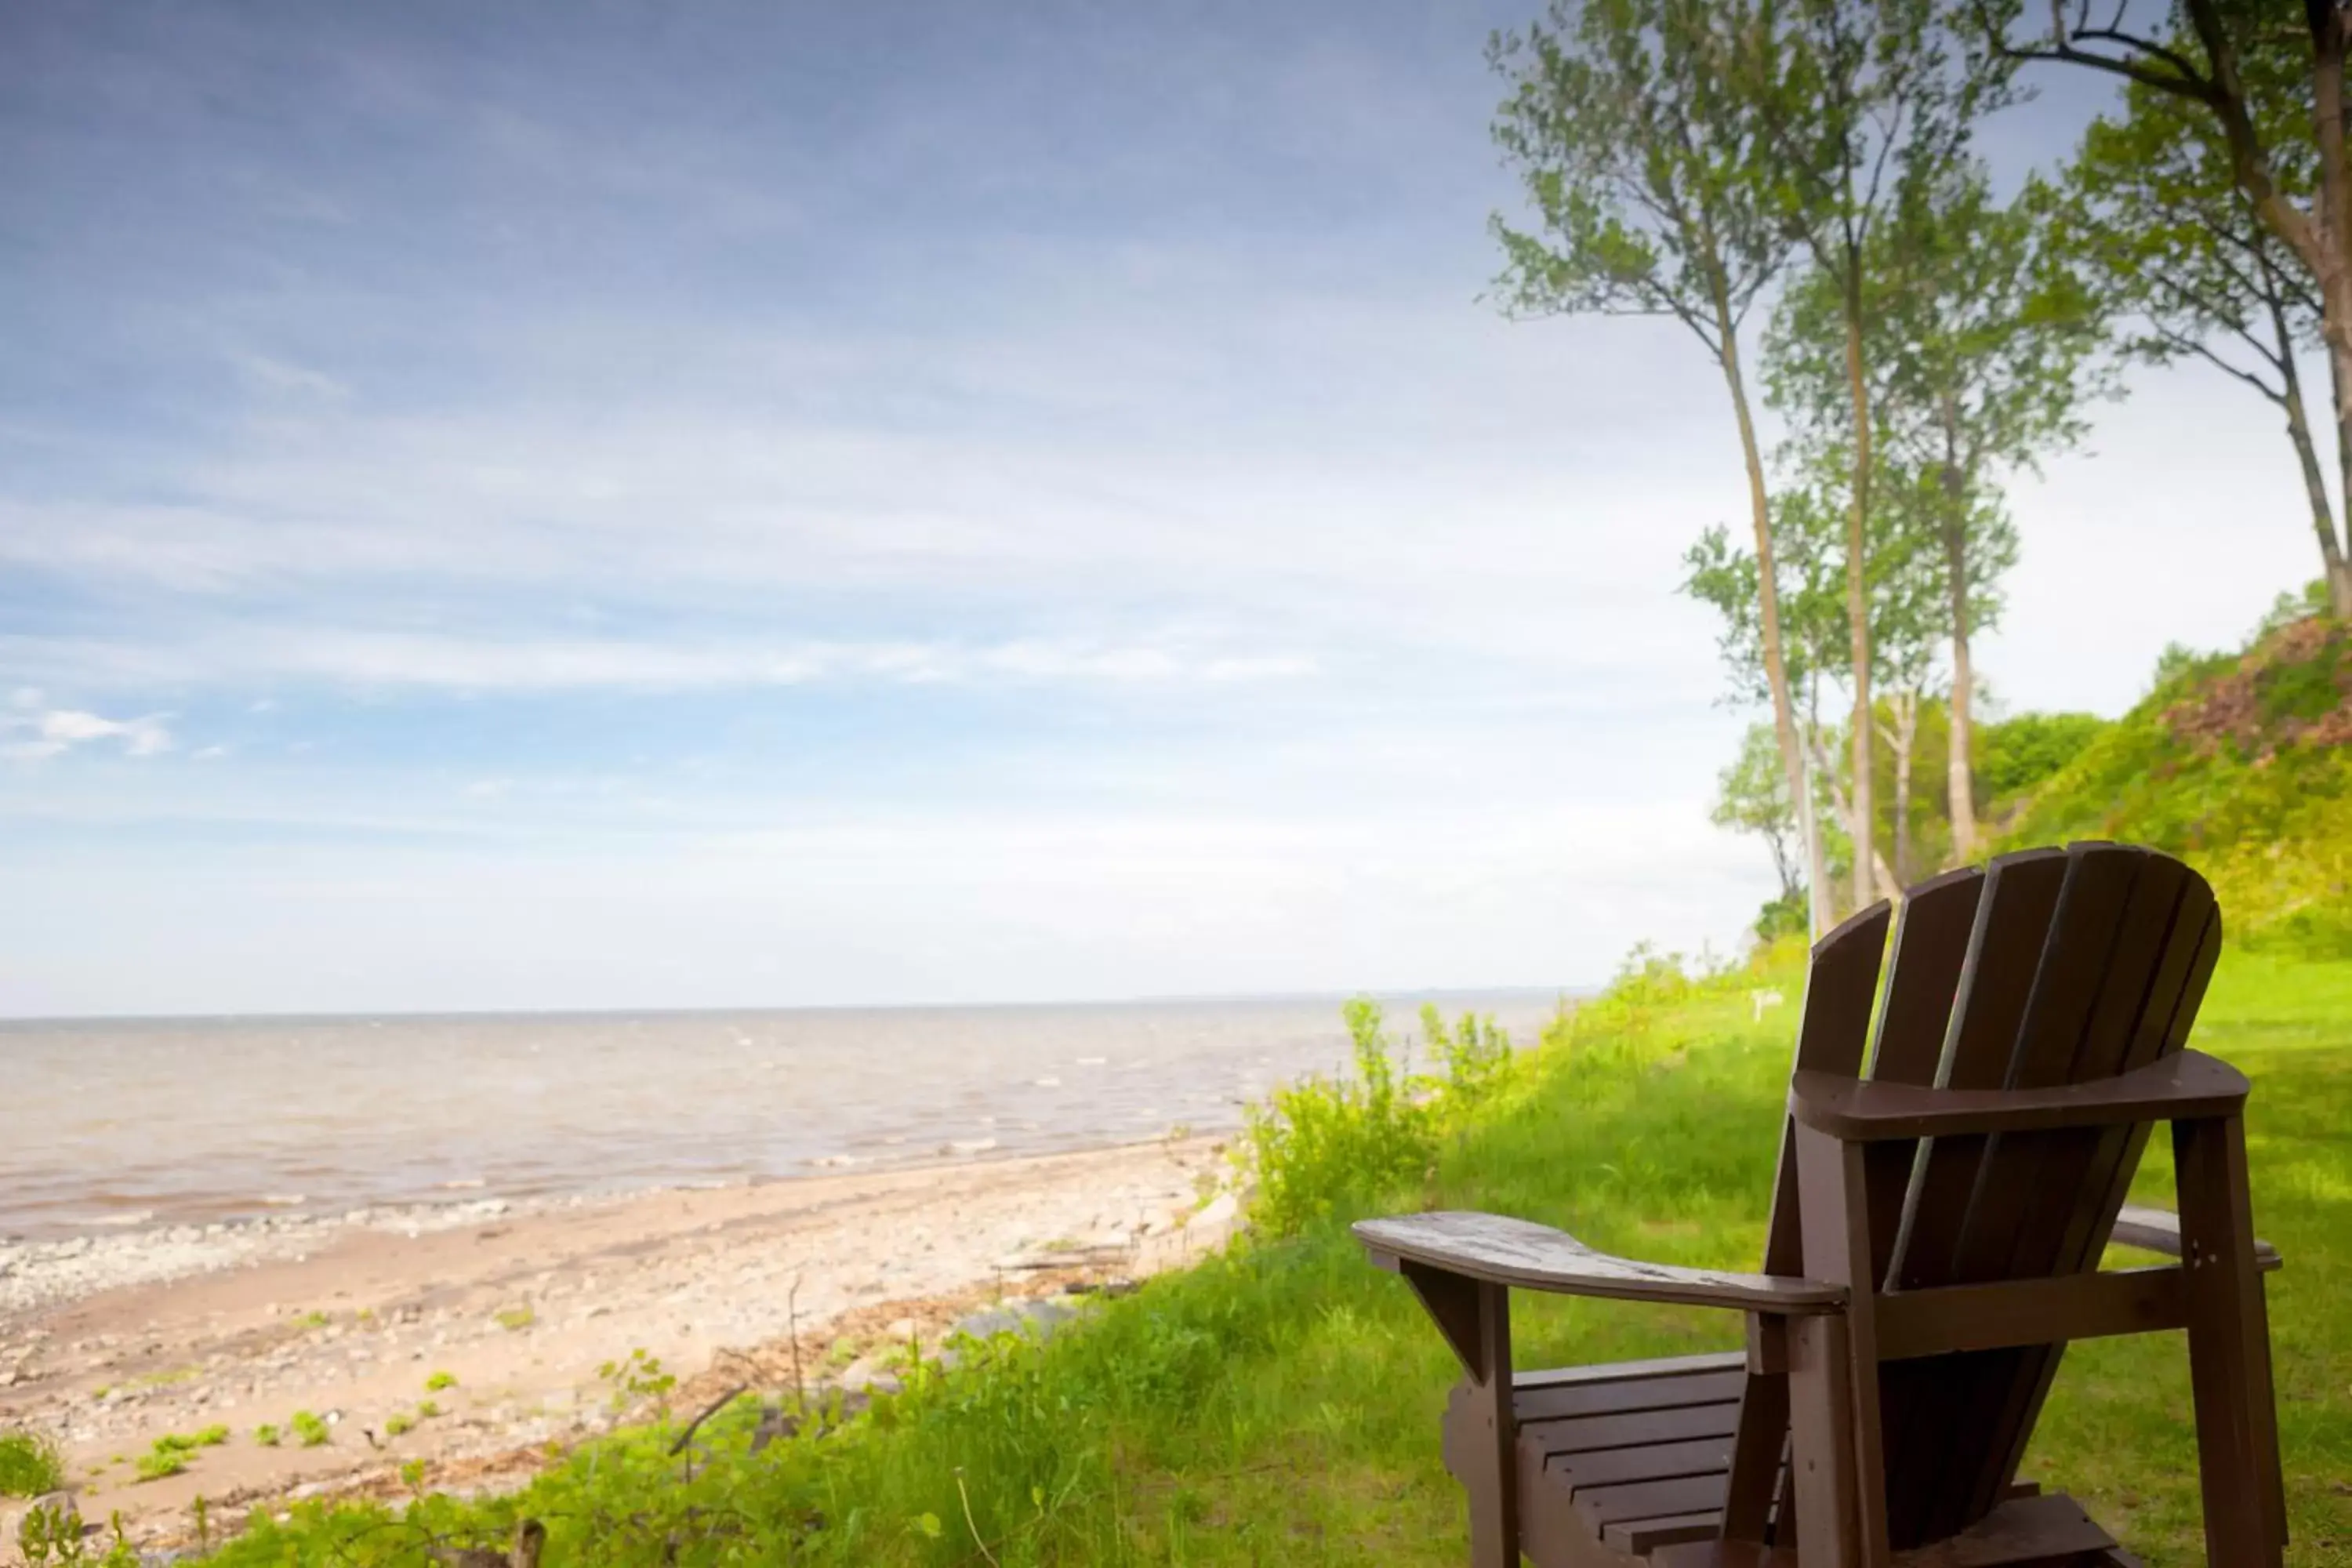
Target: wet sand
(109,1345)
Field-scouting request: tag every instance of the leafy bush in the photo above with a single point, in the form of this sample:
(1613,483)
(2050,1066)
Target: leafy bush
(1323,1144)
(2013,755)
(2242,766)
(30,1465)
(310,1430)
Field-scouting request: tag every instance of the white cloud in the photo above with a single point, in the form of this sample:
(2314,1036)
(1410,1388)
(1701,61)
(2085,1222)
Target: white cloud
(56,730)
(274,375)
(529,663)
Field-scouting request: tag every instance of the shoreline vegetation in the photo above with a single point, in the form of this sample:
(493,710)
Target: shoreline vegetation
(1275,1399)
(1173,1352)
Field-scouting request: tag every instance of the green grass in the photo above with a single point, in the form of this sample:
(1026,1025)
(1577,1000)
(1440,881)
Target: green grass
(170,1454)
(308,1430)
(439,1381)
(1280,1403)
(2242,765)
(30,1465)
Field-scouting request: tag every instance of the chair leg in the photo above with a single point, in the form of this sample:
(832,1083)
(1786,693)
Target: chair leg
(2229,1349)
(1476,1317)
(1492,1472)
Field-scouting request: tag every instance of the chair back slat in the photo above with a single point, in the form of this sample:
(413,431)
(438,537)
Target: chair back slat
(2101,1164)
(2082,964)
(1833,1027)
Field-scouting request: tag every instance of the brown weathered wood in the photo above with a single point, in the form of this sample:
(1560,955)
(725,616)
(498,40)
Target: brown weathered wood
(2080,980)
(1616,1371)
(1754,1485)
(1501,1251)
(1490,1471)
(1841,987)
(2186,1085)
(2012,921)
(2012,1312)
(1649,1462)
(1930,948)
(2158,1230)
(2021,893)
(1822,1468)
(2167,1011)
(1452,1302)
(1554,1402)
(1586,1434)
(1642,1537)
(1833,1189)
(2052,1529)
(2046,1531)
(2106,939)
(1652,1498)
(2229,1353)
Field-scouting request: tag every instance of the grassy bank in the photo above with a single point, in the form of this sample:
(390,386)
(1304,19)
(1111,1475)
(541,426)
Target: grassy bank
(1281,1404)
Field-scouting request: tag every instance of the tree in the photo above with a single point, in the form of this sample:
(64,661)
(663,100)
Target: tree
(2176,247)
(2230,62)
(1650,192)
(1807,528)
(1989,338)
(1861,99)
(1752,796)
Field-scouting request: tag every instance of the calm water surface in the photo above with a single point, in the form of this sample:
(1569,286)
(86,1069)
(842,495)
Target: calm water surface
(114,1122)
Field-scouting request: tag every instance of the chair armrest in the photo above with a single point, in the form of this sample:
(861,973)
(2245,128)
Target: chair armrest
(2158,1230)
(2184,1087)
(1500,1250)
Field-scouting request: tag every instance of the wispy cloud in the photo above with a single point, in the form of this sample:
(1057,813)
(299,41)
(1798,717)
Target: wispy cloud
(539,663)
(37,736)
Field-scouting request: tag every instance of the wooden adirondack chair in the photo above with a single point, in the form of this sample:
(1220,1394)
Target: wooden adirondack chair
(1936,1228)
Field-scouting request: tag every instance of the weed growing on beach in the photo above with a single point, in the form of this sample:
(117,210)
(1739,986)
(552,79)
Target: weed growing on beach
(398,1425)
(634,1377)
(1322,1145)
(439,1381)
(161,1461)
(514,1319)
(30,1465)
(170,1454)
(311,1321)
(267,1435)
(47,1535)
(310,1430)
(427,1409)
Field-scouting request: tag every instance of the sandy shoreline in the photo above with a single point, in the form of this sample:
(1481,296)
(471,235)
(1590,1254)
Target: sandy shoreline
(109,1342)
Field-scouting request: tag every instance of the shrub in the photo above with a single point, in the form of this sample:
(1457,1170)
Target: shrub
(310,1430)
(1332,1146)
(30,1465)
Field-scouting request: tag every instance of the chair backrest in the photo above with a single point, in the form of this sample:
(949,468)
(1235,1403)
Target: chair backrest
(2042,968)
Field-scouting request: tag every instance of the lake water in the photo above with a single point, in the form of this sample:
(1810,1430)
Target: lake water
(125,1123)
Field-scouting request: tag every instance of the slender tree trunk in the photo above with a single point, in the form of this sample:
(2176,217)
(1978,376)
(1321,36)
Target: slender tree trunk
(2334,271)
(1857,599)
(2332,556)
(1842,802)
(1901,737)
(2315,486)
(1959,774)
(1776,670)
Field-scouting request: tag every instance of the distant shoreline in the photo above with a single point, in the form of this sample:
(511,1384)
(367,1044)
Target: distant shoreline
(1448,994)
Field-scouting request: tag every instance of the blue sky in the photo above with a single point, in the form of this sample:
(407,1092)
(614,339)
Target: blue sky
(628,505)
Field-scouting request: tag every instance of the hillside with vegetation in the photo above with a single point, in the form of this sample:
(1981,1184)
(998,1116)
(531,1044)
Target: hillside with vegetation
(2239,763)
